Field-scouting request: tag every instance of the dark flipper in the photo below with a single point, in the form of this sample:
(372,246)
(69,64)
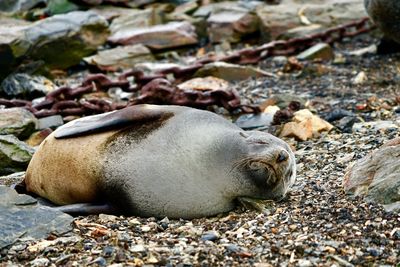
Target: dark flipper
(86,209)
(113,120)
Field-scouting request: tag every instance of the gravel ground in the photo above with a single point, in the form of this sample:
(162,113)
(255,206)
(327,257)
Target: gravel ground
(316,225)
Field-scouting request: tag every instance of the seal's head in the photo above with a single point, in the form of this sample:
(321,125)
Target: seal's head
(269,167)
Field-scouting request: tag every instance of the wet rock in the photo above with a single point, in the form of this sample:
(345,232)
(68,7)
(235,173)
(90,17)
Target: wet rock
(345,124)
(22,217)
(278,19)
(338,114)
(376,176)
(14,154)
(173,34)
(210,236)
(19,5)
(71,37)
(384,13)
(50,122)
(25,86)
(230,72)
(18,122)
(255,121)
(205,84)
(321,51)
(122,57)
(231,23)
(37,138)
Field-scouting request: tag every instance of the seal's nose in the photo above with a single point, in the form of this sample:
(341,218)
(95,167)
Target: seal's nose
(282,156)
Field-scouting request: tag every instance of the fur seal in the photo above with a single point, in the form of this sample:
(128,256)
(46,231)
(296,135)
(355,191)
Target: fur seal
(150,160)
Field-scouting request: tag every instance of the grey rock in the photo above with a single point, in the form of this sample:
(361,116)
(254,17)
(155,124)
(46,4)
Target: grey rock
(230,72)
(120,57)
(22,85)
(14,154)
(385,14)
(134,19)
(254,121)
(40,262)
(71,37)
(21,217)
(321,51)
(19,5)
(17,121)
(276,20)
(210,236)
(231,23)
(374,125)
(170,35)
(376,176)
(50,122)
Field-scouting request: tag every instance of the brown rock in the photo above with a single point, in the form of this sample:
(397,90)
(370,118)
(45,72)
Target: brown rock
(376,176)
(204,84)
(231,25)
(278,19)
(299,130)
(170,35)
(122,57)
(230,72)
(37,138)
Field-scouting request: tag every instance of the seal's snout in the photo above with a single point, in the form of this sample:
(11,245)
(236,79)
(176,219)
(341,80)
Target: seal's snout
(282,156)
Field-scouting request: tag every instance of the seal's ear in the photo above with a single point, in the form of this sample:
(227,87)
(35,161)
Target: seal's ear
(109,121)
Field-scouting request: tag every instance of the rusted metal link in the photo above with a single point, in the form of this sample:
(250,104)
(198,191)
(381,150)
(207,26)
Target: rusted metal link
(156,89)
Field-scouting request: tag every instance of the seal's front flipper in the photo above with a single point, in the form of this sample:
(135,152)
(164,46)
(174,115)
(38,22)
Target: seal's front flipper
(86,209)
(109,121)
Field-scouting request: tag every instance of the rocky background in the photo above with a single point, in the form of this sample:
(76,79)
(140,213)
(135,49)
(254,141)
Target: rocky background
(267,65)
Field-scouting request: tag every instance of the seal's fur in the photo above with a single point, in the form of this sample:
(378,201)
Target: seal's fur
(160,161)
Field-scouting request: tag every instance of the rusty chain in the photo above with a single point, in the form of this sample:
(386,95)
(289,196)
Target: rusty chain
(157,89)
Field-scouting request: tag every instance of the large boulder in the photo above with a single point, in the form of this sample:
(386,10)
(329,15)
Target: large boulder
(377,176)
(22,218)
(18,122)
(70,36)
(19,5)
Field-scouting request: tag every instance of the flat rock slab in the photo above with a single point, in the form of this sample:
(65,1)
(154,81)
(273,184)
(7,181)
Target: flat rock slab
(22,218)
(121,57)
(173,34)
(277,19)
(70,36)
(377,176)
(230,72)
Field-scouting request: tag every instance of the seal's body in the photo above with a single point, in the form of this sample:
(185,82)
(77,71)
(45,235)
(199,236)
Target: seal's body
(160,161)
(386,16)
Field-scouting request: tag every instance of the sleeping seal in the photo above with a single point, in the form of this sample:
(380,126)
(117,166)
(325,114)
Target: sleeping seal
(150,160)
